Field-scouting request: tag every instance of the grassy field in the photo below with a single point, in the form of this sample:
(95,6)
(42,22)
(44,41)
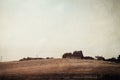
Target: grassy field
(59,69)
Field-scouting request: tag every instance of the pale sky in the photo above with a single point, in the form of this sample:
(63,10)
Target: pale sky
(53,27)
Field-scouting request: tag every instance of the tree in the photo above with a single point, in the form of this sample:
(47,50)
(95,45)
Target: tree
(100,58)
(78,54)
(67,55)
(118,58)
(88,57)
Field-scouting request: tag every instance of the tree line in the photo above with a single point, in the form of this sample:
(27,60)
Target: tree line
(79,55)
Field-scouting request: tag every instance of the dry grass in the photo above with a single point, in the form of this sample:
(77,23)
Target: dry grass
(59,66)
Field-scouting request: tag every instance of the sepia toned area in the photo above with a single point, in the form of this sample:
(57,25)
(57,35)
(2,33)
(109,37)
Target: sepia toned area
(57,69)
(69,67)
(51,27)
(59,39)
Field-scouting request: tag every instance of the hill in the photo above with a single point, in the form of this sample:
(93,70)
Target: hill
(57,69)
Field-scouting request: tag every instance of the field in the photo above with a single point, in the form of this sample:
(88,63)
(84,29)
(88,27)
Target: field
(59,69)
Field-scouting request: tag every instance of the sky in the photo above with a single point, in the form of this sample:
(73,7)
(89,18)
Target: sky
(50,28)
